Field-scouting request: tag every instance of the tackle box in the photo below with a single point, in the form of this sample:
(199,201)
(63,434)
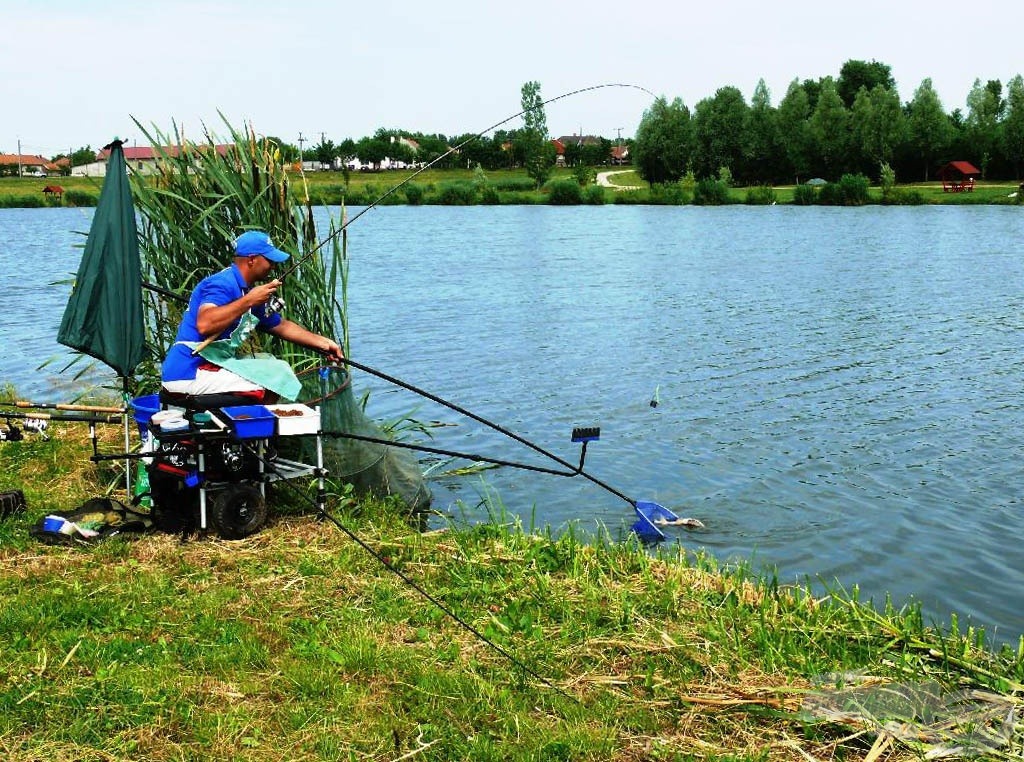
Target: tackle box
(249,421)
(295,419)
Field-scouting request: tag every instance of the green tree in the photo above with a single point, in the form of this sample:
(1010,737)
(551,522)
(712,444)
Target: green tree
(794,123)
(663,144)
(1013,125)
(325,152)
(984,107)
(879,124)
(538,152)
(372,150)
(84,155)
(930,131)
(830,128)
(765,147)
(596,154)
(720,128)
(856,74)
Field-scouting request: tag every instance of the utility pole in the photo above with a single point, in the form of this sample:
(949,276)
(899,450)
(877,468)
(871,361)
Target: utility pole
(19,157)
(302,140)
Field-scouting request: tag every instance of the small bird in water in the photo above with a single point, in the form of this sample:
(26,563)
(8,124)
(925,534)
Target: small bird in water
(691,523)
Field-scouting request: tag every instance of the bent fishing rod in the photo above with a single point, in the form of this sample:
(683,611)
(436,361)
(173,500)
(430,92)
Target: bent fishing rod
(446,154)
(276,304)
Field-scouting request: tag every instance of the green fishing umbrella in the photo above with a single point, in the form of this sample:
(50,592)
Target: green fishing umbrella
(104,317)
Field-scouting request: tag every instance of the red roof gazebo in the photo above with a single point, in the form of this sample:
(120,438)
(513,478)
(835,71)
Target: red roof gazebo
(958,176)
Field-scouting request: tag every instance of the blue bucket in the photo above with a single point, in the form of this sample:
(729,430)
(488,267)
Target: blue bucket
(144,408)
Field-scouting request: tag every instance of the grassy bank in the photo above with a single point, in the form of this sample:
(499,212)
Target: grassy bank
(297,644)
(463,187)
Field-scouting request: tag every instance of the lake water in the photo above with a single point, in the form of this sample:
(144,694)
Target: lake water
(839,389)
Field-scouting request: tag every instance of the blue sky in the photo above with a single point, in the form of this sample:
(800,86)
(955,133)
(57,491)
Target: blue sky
(75,72)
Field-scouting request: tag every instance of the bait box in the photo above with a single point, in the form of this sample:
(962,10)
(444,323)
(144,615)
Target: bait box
(250,421)
(290,424)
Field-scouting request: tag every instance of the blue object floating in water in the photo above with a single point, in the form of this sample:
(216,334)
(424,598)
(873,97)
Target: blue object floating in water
(648,513)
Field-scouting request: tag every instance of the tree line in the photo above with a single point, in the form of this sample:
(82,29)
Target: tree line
(830,127)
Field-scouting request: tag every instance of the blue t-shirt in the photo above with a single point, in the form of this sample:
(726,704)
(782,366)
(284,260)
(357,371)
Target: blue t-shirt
(217,289)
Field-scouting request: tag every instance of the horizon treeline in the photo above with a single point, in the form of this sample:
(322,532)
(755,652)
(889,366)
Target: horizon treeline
(853,124)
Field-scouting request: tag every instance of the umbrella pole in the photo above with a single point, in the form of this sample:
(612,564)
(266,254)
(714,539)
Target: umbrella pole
(127,443)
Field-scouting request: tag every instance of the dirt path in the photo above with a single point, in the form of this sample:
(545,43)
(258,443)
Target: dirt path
(602,180)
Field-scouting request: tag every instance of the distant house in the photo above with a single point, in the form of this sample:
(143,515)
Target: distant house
(143,159)
(573,146)
(29,165)
(620,155)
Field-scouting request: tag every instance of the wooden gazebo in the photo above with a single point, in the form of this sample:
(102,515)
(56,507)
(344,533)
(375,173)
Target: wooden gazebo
(958,176)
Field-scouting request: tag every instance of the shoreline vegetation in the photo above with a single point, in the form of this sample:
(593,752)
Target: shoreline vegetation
(297,644)
(464,187)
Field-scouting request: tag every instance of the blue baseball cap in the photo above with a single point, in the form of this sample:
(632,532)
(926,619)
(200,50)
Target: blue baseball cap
(257,243)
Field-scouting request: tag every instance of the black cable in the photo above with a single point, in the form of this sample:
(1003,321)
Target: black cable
(322,511)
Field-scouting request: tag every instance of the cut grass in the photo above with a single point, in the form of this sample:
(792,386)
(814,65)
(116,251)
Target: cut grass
(296,644)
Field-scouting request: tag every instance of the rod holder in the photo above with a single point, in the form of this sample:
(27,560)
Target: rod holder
(586,434)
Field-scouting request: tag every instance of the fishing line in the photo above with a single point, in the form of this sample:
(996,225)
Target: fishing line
(447,153)
(505,653)
(490,424)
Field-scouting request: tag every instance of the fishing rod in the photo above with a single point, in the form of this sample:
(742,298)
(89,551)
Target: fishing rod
(275,304)
(59,418)
(581,435)
(61,406)
(449,152)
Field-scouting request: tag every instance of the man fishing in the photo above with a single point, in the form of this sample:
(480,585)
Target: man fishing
(218,306)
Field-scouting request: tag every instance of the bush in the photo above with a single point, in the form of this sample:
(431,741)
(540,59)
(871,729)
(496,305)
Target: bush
(593,194)
(414,194)
(456,193)
(632,197)
(805,195)
(25,202)
(672,194)
(760,195)
(489,195)
(565,193)
(80,198)
(851,190)
(711,193)
(584,175)
(903,197)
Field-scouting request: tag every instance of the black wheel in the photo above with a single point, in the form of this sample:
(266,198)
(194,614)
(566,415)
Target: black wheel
(238,511)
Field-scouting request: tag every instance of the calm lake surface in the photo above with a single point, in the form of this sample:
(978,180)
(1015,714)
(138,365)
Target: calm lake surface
(840,389)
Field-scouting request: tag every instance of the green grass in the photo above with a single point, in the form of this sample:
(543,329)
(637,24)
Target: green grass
(297,644)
